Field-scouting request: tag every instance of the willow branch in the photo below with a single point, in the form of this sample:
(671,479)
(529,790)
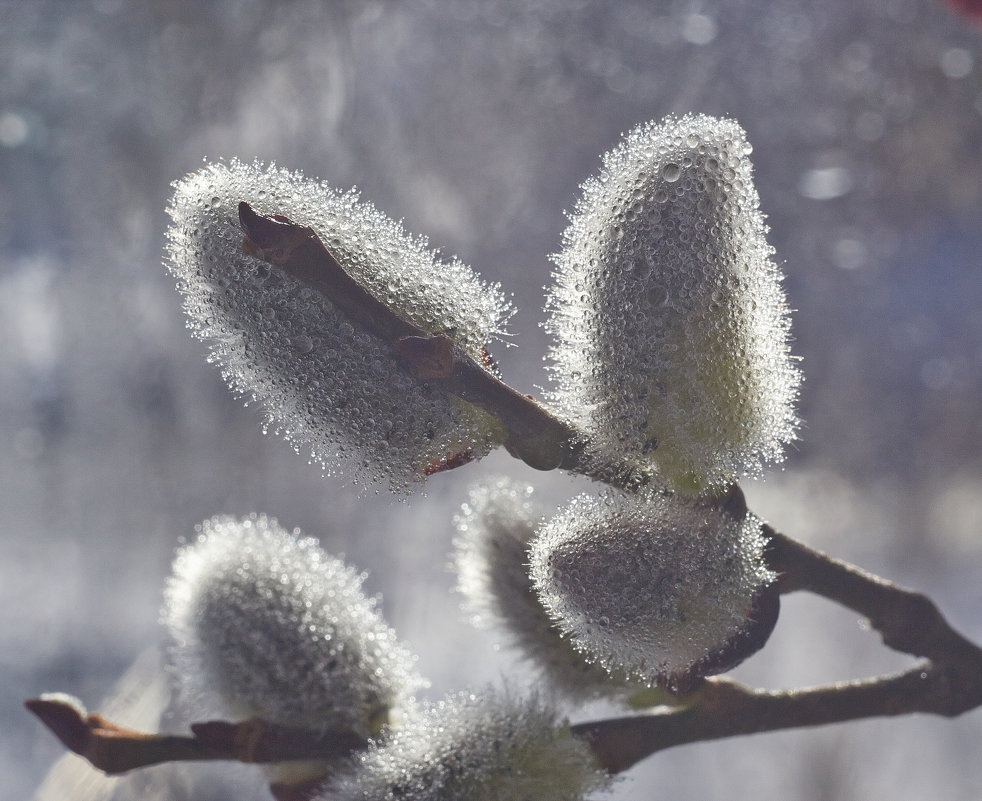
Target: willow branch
(909,621)
(721,708)
(726,709)
(116,749)
(535,434)
(948,684)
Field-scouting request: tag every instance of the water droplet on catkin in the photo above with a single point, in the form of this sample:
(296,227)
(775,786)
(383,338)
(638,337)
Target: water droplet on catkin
(694,353)
(319,378)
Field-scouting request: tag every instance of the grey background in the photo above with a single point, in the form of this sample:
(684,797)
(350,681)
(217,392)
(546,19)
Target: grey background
(475,122)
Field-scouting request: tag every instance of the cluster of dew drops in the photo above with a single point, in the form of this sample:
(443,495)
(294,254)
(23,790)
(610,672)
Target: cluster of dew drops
(261,618)
(648,584)
(331,389)
(670,325)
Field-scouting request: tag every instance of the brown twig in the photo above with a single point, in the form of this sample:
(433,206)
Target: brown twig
(726,709)
(109,747)
(535,435)
(908,621)
(115,749)
(949,684)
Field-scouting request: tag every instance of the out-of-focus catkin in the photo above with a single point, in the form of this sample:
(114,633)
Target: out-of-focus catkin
(487,746)
(671,332)
(491,558)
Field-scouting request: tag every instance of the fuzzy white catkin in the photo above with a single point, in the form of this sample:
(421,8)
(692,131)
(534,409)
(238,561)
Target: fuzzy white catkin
(489,746)
(649,583)
(331,388)
(670,328)
(491,558)
(263,622)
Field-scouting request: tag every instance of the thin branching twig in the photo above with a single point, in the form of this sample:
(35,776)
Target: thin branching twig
(116,749)
(948,682)
(535,434)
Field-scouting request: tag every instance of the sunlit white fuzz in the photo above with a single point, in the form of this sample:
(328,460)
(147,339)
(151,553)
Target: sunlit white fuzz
(491,559)
(264,623)
(479,747)
(653,584)
(671,333)
(327,385)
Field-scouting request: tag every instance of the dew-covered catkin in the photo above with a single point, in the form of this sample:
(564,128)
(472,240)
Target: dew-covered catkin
(669,323)
(329,386)
(488,746)
(653,584)
(491,559)
(262,622)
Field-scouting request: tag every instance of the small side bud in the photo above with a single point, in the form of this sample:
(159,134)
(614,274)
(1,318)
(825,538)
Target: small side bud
(671,332)
(480,747)
(491,559)
(263,623)
(664,587)
(326,381)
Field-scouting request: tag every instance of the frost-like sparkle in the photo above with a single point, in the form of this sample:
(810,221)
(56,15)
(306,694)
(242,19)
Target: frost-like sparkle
(328,386)
(262,622)
(491,558)
(671,334)
(651,583)
(479,747)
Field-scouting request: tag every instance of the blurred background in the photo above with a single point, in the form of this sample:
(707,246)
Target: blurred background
(475,121)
